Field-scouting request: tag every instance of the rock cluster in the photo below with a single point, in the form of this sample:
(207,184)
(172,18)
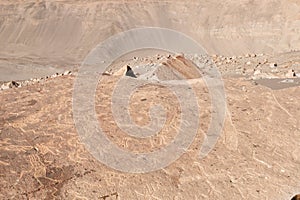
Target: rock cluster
(22,83)
(258,66)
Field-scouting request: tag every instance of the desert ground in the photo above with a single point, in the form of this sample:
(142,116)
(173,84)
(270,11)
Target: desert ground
(255,45)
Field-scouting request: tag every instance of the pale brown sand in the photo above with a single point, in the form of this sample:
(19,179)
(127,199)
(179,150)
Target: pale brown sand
(61,33)
(257,155)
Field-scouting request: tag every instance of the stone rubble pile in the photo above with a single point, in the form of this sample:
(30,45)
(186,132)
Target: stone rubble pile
(256,66)
(249,66)
(18,84)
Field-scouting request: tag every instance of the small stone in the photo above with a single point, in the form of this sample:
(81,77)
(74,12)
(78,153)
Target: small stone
(66,73)
(13,84)
(273,65)
(253,55)
(248,63)
(106,74)
(291,74)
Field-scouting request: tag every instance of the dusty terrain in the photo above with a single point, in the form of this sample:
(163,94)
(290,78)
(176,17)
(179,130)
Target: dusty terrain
(255,46)
(257,156)
(60,33)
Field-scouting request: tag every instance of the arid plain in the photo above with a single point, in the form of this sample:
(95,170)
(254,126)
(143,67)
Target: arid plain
(253,44)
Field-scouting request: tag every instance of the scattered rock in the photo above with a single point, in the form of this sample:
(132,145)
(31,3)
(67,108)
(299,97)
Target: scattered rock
(248,63)
(14,84)
(106,74)
(67,73)
(291,74)
(273,65)
(129,72)
(17,84)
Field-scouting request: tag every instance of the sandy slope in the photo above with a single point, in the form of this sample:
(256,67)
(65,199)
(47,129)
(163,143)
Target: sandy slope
(61,33)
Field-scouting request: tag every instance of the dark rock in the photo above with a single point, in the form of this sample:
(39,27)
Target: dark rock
(129,72)
(14,84)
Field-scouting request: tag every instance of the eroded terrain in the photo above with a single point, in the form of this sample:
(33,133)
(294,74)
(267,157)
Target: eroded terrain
(256,157)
